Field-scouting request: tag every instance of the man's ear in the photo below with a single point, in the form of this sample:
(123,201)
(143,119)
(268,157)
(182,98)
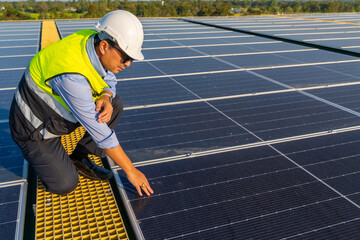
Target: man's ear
(103,47)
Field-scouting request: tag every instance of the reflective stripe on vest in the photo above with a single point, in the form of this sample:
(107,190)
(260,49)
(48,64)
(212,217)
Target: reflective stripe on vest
(49,100)
(71,57)
(30,116)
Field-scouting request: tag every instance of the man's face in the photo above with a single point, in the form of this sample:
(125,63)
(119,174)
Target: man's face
(112,57)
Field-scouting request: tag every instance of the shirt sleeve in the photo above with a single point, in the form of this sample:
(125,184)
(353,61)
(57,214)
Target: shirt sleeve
(76,93)
(110,80)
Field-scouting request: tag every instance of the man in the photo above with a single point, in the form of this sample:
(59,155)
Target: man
(72,83)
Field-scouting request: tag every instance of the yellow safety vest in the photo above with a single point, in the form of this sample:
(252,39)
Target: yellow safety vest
(67,56)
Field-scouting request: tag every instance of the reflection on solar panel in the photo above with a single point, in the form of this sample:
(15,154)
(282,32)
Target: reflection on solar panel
(18,43)
(240,136)
(340,31)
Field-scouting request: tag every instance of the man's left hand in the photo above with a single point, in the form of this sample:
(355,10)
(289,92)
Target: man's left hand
(103,104)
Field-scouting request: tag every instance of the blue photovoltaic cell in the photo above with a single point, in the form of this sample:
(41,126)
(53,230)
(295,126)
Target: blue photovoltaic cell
(151,91)
(286,58)
(21,42)
(236,38)
(138,70)
(304,76)
(11,159)
(8,230)
(9,202)
(14,62)
(248,48)
(258,60)
(278,46)
(6,97)
(18,51)
(194,29)
(153,37)
(169,53)
(18,36)
(284,115)
(10,78)
(8,215)
(9,194)
(175,130)
(193,35)
(230,49)
(157,44)
(192,65)
(350,68)
(226,84)
(346,96)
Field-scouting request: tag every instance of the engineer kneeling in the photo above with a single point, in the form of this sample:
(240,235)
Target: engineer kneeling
(72,83)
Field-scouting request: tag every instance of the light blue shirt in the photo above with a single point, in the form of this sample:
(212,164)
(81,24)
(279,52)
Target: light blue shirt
(75,90)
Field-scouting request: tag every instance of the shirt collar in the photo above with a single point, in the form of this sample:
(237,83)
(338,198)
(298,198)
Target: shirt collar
(90,50)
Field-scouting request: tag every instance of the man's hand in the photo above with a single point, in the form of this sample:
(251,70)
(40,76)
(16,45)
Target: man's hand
(139,181)
(103,104)
(134,176)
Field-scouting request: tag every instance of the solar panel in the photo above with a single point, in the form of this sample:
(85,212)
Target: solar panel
(303,76)
(249,194)
(18,43)
(151,91)
(231,148)
(138,70)
(226,84)
(177,130)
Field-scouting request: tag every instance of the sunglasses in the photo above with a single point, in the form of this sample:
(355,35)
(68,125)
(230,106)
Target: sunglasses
(126,57)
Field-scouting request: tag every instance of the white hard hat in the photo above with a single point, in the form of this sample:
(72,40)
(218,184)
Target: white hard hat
(125,29)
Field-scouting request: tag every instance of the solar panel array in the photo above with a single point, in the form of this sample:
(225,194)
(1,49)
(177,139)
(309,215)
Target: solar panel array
(19,42)
(217,119)
(240,136)
(340,31)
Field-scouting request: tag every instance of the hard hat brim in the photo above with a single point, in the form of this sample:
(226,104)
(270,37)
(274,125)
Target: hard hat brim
(137,56)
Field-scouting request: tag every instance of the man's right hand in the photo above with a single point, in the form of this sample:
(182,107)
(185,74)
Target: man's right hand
(136,177)
(139,181)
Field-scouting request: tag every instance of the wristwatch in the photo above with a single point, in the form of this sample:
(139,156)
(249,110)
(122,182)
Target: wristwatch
(110,97)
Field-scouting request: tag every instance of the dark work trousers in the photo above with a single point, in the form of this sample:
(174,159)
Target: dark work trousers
(53,165)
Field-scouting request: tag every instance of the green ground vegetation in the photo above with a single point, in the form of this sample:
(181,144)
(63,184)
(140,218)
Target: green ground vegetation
(24,10)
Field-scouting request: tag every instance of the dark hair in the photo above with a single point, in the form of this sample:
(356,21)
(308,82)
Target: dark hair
(97,41)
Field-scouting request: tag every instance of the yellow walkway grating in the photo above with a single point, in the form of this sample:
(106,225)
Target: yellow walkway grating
(49,33)
(89,212)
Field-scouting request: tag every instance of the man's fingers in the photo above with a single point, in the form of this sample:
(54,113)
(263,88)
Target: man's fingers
(146,189)
(150,190)
(139,190)
(99,104)
(147,186)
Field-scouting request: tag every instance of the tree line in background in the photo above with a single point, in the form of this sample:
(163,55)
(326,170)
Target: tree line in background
(22,10)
